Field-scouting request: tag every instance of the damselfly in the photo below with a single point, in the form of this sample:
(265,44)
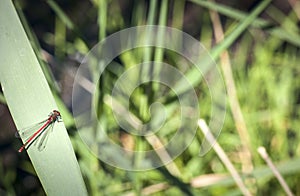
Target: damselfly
(35,132)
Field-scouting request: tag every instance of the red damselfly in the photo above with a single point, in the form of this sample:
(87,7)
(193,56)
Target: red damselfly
(35,132)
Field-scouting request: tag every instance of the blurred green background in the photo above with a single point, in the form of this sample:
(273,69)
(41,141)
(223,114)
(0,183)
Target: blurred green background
(261,77)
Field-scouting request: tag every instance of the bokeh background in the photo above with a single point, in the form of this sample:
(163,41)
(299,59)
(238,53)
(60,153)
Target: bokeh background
(260,66)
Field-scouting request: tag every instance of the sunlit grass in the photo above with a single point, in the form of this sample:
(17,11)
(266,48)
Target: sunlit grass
(264,60)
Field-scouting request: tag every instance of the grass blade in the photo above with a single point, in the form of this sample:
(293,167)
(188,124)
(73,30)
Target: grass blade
(30,100)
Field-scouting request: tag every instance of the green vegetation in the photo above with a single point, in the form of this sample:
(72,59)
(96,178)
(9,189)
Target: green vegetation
(29,99)
(258,58)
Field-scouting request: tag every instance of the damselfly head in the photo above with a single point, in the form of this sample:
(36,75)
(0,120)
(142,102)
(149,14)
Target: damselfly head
(56,115)
(55,112)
